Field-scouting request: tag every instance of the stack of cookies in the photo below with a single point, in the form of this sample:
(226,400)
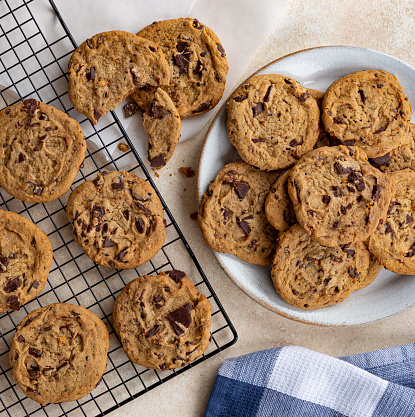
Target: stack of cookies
(325,192)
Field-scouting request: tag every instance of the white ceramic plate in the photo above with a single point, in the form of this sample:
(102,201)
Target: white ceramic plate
(317,68)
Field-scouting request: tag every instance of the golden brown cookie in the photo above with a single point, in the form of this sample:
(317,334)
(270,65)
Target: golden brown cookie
(338,196)
(232,216)
(59,353)
(25,260)
(162,124)
(278,206)
(308,275)
(368,109)
(272,121)
(41,150)
(106,68)
(163,321)
(117,219)
(393,242)
(197,62)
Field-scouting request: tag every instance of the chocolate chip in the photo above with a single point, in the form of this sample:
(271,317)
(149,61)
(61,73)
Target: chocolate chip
(108,243)
(380,130)
(297,189)
(97,211)
(120,255)
(226,214)
(335,259)
(258,140)
(30,106)
(336,224)
(111,264)
(4,261)
(140,225)
(12,285)
(391,206)
(176,275)
(118,185)
(245,227)
(352,272)
(153,331)
(362,96)
(218,78)
(257,109)
(130,109)
(20,158)
(126,214)
(20,339)
(268,94)
(13,303)
(220,49)
(241,188)
(345,209)
(303,97)
(349,142)
(340,169)
(376,192)
(90,76)
(181,316)
(182,46)
(181,61)
(197,24)
(389,229)
(381,160)
(199,67)
(238,99)
(287,80)
(326,199)
(408,219)
(89,43)
(294,143)
(48,328)
(345,249)
(203,107)
(97,114)
(338,120)
(152,48)
(34,373)
(143,207)
(62,365)
(36,353)
(36,149)
(411,252)
(158,161)
(49,128)
(337,191)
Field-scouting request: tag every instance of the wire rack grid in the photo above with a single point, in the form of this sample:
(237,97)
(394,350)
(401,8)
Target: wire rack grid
(32,66)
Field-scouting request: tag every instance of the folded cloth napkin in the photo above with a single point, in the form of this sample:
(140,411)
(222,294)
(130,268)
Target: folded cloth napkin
(297,382)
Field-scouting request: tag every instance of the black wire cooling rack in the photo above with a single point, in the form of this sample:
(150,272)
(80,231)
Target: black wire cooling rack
(32,66)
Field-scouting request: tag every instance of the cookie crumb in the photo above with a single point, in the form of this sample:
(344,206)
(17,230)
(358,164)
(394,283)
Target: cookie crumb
(194,215)
(123,147)
(188,171)
(157,175)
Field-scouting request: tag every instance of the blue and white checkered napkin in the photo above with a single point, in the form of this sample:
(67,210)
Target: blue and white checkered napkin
(296,382)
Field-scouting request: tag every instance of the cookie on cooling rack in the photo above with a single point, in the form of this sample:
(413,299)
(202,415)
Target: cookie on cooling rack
(232,216)
(368,109)
(41,151)
(59,353)
(163,321)
(308,275)
(25,260)
(197,62)
(272,121)
(162,124)
(338,196)
(106,68)
(117,219)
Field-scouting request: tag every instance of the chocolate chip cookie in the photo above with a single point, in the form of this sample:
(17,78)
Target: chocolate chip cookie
(41,150)
(232,216)
(393,242)
(197,62)
(59,353)
(25,260)
(308,275)
(272,121)
(399,158)
(162,124)
(117,219)
(163,321)
(368,109)
(338,196)
(106,68)
(278,206)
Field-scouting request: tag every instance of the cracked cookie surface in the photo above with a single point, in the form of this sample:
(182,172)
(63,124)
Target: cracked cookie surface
(197,62)
(338,196)
(272,121)
(117,219)
(232,216)
(368,109)
(41,151)
(308,275)
(59,353)
(163,321)
(106,68)
(25,260)
(393,242)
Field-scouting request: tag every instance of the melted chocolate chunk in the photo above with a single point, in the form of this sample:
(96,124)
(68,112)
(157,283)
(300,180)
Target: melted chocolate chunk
(338,120)
(380,130)
(389,229)
(258,140)
(158,161)
(391,206)
(340,169)
(408,219)
(326,199)
(238,99)
(381,161)
(118,185)
(13,303)
(140,225)
(353,272)
(181,316)
(268,94)
(349,142)
(36,353)
(126,214)
(203,107)
(153,331)
(120,255)
(411,253)
(245,227)
(176,275)
(345,249)
(257,109)
(4,261)
(197,24)
(108,243)
(297,189)
(220,49)
(181,61)
(20,339)
(337,191)
(97,114)
(303,97)
(90,76)
(241,188)
(376,192)
(336,224)
(89,43)
(182,46)
(97,211)
(362,96)
(199,67)
(143,207)
(20,158)
(30,106)
(12,285)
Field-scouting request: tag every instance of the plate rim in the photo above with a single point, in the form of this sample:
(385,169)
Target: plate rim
(200,193)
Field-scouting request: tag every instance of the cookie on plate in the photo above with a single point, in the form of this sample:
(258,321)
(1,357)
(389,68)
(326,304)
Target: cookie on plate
(393,242)
(272,121)
(41,151)
(338,196)
(162,124)
(197,62)
(59,353)
(25,260)
(117,219)
(163,321)
(232,216)
(278,205)
(308,275)
(368,109)
(106,68)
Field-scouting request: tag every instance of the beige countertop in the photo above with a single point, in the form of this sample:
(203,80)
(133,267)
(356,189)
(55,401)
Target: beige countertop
(387,26)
